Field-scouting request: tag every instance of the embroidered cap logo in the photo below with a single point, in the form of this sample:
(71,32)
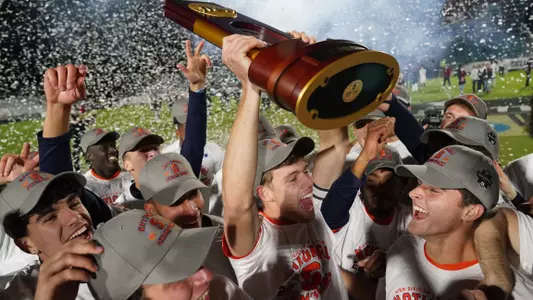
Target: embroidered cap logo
(492,137)
(484,178)
(99,131)
(137,132)
(173,170)
(442,157)
(458,124)
(30,179)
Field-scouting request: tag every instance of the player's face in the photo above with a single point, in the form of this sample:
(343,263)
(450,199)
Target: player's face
(194,287)
(104,155)
(292,190)
(435,211)
(136,160)
(187,214)
(381,192)
(65,220)
(453,112)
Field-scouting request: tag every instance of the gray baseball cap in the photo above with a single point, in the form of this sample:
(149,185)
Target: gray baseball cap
(401,94)
(478,106)
(388,158)
(140,248)
(180,107)
(131,138)
(373,116)
(266,131)
(272,152)
(167,177)
(458,167)
(470,131)
(24,193)
(287,134)
(93,136)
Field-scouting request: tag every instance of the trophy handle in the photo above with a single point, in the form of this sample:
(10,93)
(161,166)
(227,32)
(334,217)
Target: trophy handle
(213,22)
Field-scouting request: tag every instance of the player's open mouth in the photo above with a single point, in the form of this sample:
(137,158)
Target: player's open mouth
(83,233)
(419,213)
(306,202)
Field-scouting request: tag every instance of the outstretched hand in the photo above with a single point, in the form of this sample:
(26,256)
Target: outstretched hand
(12,165)
(197,65)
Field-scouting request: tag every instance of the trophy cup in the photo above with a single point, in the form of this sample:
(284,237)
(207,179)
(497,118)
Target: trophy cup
(327,85)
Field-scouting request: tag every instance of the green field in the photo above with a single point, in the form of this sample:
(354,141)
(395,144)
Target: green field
(513,142)
(512,85)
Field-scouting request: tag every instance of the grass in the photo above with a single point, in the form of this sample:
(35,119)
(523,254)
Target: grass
(513,142)
(512,85)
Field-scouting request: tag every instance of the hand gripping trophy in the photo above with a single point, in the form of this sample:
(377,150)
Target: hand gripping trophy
(327,85)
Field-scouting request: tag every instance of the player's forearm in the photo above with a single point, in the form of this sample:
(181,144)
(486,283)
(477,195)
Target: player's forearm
(240,162)
(491,244)
(331,156)
(56,122)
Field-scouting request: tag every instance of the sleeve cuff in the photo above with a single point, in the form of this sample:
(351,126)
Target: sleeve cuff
(65,138)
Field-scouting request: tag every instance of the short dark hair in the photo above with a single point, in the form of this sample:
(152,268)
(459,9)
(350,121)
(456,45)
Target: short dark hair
(16,225)
(290,160)
(470,199)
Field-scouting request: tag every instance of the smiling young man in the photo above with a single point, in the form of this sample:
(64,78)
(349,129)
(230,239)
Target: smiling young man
(363,209)
(105,178)
(283,251)
(457,188)
(172,190)
(44,215)
(149,257)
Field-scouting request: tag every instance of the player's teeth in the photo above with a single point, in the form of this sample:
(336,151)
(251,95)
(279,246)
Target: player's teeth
(307,196)
(77,233)
(420,209)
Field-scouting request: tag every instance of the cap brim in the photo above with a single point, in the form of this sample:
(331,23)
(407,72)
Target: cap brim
(182,119)
(185,257)
(32,201)
(379,165)
(171,194)
(428,176)
(301,147)
(464,102)
(150,138)
(113,134)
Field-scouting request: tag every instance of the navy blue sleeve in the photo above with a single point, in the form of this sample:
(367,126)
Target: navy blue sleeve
(97,208)
(408,129)
(54,153)
(518,200)
(195,131)
(336,206)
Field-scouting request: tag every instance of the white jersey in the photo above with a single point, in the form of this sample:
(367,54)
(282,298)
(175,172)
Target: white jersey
(23,284)
(108,189)
(290,262)
(411,274)
(521,175)
(12,259)
(211,165)
(362,235)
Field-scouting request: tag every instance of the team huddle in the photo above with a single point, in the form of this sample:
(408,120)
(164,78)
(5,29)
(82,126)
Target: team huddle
(400,213)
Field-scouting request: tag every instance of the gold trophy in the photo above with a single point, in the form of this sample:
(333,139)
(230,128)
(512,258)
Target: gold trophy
(327,85)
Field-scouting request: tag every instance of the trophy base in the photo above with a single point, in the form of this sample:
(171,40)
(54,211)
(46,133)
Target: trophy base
(326,85)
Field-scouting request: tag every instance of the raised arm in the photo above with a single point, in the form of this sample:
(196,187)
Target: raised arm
(241,218)
(63,87)
(494,238)
(335,207)
(196,129)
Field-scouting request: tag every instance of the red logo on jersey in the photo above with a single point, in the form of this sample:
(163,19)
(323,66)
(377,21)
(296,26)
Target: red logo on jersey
(311,262)
(363,252)
(414,293)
